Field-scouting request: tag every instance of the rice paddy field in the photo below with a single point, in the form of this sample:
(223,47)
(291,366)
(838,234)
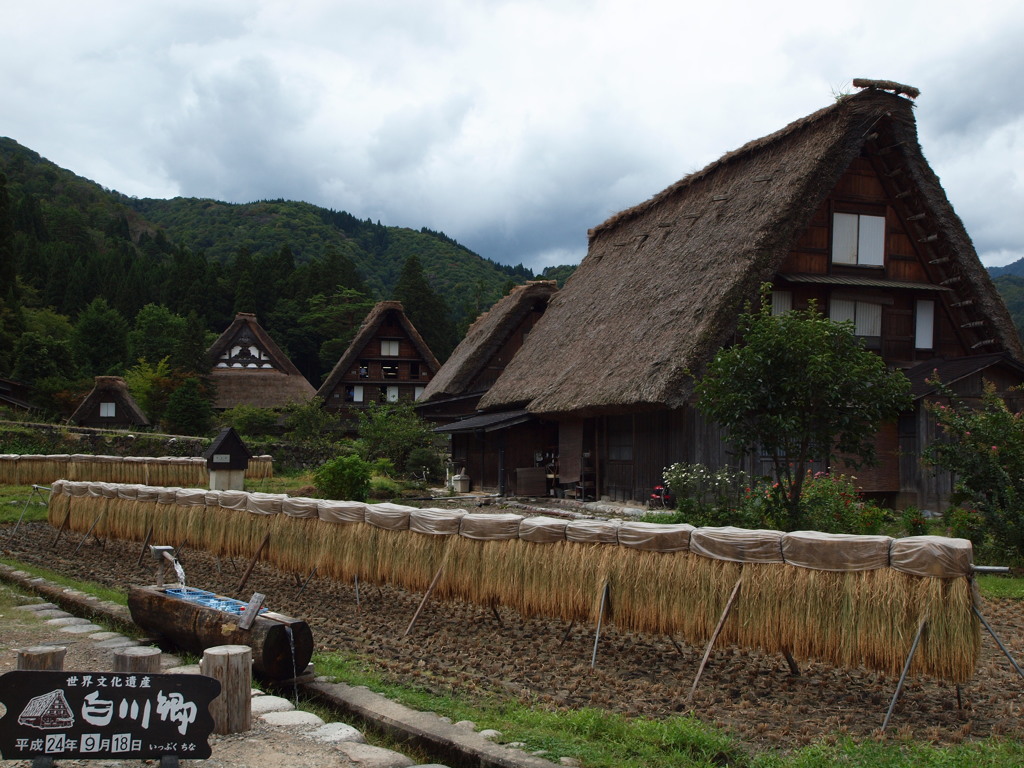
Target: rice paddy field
(487,653)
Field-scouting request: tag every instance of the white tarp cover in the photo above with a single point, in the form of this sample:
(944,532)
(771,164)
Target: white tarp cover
(542,530)
(106,490)
(936,556)
(234,500)
(80,457)
(836,551)
(439,522)
(484,527)
(341,511)
(103,459)
(56,487)
(77,488)
(190,497)
(393,517)
(265,503)
(299,506)
(593,531)
(128,491)
(213,498)
(58,457)
(737,545)
(656,537)
(167,495)
(147,493)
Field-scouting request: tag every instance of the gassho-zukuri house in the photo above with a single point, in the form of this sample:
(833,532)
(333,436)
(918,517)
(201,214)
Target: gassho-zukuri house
(840,207)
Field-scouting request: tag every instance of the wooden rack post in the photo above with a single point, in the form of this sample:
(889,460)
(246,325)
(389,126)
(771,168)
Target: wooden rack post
(252,563)
(714,637)
(600,618)
(903,676)
(433,583)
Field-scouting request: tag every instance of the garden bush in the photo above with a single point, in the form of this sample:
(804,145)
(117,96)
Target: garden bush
(344,478)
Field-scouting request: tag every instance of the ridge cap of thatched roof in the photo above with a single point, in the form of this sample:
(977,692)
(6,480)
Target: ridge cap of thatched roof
(366,330)
(485,336)
(281,361)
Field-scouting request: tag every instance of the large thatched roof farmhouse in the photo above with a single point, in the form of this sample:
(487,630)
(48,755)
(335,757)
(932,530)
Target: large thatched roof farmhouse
(479,445)
(249,368)
(840,206)
(387,362)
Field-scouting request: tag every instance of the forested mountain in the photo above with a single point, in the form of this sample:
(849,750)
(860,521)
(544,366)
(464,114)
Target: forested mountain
(84,269)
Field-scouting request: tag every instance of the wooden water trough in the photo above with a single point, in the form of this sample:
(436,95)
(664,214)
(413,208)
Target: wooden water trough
(281,646)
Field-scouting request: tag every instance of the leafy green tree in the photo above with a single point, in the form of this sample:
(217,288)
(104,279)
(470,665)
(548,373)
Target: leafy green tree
(800,387)
(308,422)
(984,449)
(188,411)
(151,385)
(156,333)
(39,356)
(391,431)
(425,309)
(100,339)
(250,420)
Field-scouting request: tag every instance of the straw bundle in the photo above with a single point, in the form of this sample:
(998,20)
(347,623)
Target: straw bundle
(9,469)
(259,468)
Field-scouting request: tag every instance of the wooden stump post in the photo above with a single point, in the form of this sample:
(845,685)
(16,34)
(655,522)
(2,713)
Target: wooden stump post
(47,658)
(232,666)
(140,660)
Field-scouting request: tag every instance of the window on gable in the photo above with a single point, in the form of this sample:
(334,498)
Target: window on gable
(389,347)
(865,316)
(108,410)
(354,393)
(392,394)
(858,239)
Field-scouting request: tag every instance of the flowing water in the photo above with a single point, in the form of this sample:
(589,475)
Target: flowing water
(180,573)
(295,673)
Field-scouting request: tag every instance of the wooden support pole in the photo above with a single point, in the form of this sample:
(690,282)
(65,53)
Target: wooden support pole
(252,564)
(42,658)
(306,582)
(903,675)
(675,644)
(567,632)
(145,546)
(714,637)
(355,585)
(63,525)
(497,616)
(138,659)
(231,665)
(794,670)
(600,620)
(89,532)
(998,641)
(433,583)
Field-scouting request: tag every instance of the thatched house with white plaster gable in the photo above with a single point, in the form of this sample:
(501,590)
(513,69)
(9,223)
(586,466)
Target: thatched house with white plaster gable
(840,207)
(249,368)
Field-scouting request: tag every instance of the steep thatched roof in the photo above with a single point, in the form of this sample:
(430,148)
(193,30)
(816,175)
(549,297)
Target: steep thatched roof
(109,389)
(250,369)
(662,283)
(485,338)
(365,335)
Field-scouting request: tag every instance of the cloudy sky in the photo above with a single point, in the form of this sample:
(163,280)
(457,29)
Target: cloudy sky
(513,126)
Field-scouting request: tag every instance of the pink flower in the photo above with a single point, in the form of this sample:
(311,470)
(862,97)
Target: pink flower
(995,448)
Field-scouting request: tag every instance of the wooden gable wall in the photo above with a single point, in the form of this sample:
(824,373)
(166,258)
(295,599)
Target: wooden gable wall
(863,190)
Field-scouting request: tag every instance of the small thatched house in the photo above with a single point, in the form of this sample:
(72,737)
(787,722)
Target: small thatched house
(480,443)
(250,369)
(840,207)
(387,362)
(110,405)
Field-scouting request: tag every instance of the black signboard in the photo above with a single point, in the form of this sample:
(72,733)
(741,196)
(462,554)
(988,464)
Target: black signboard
(96,715)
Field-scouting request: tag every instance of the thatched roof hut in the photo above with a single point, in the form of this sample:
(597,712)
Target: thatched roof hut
(663,282)
(387,353)
(250,369)
(110,404)
(491,342)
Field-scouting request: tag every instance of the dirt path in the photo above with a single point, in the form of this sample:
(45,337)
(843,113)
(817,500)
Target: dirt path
(463,649)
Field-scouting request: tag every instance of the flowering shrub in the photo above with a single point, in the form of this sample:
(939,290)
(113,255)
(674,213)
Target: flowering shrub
(703,496)
(914,523)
